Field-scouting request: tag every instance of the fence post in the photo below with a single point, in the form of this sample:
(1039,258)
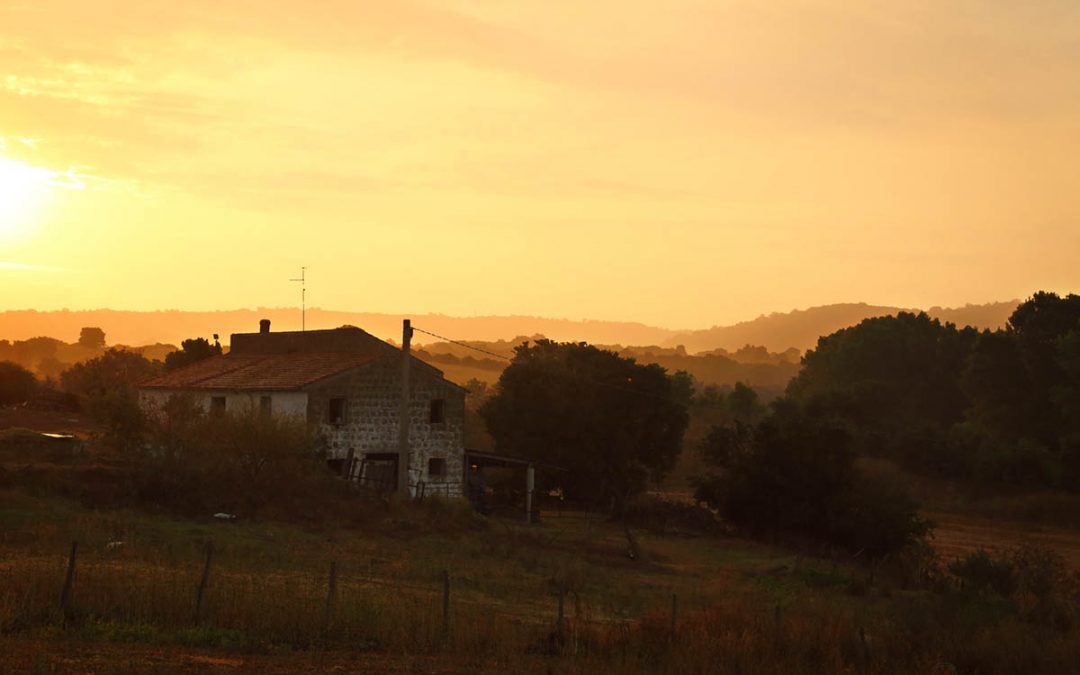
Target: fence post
(674,613)
(446,604)
(203,583)
(331,593)
(69,582)
(560,625)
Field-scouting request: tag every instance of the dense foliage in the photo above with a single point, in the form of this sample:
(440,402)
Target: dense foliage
(17,384)
(108,387)
(191,351)
(793,474)
(608,422)
(997,406)
(194,461)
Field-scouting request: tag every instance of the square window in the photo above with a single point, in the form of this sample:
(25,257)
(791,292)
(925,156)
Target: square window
(336,411)
(436,467)
(265,404)
(437,413)
(217,404)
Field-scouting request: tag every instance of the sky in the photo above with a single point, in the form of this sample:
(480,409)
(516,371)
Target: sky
(681,163)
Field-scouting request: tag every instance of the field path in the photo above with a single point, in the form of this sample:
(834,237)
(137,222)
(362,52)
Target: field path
(957,535)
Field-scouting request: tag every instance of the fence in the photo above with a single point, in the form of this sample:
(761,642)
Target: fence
(338,604)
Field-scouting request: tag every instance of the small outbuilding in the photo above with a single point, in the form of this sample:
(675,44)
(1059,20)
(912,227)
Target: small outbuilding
(347,384)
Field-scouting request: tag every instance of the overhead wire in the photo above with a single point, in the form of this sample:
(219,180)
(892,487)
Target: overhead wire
(509,360)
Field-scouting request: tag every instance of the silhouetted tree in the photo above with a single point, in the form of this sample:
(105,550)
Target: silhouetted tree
(108,386)
(17,384)
(191,351)
(610,422)
(793,474)
(91,337)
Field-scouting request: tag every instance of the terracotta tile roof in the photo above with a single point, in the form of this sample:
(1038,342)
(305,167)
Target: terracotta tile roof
(259,371)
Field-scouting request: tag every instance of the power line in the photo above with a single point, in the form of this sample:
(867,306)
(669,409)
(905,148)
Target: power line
(575,375)
(463,344)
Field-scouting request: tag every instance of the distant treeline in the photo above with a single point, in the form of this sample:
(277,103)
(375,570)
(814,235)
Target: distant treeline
(769,372)
(999,406)
(48,357)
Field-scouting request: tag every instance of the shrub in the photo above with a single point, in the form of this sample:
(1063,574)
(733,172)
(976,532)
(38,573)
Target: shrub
(980,573)
(794,474)
(195,461)
(17,384)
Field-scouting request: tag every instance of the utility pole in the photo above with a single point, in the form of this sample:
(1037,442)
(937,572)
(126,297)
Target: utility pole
(403,410)
(303,298)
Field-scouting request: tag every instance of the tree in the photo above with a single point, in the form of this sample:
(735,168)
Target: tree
(108,386)
(92,338)
(609,422)
(191,351)
(17,384)
(793,474)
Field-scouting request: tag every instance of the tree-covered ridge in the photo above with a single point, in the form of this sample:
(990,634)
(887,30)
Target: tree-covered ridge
(999,405)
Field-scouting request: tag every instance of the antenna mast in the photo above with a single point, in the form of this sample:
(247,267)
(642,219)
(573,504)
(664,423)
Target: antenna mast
(303,298)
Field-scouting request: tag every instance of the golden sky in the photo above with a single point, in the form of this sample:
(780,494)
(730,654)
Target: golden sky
(681,163)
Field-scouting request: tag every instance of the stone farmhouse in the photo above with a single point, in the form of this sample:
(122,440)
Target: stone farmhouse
(348,385)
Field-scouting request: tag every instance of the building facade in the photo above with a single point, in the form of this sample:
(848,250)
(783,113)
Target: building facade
(346,384)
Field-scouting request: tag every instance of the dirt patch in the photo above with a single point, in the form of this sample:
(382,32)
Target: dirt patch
(959,535)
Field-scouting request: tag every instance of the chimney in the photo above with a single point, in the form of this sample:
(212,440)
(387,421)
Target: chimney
(264,326)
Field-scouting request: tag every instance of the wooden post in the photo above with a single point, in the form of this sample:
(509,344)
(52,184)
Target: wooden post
(203,583)
(560,624)
(403,411)
(331,593)
(446,604)
(674,614)
(69,582)
(530,485)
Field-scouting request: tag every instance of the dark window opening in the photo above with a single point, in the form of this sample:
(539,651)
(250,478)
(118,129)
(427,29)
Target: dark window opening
(438,411)
(337,411)
(217,404)
(264,405)
(436,467)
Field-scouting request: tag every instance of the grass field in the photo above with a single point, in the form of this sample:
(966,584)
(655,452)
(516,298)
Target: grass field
(740,606)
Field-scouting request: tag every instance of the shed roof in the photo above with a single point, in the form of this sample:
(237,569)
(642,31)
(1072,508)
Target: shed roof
(263,372)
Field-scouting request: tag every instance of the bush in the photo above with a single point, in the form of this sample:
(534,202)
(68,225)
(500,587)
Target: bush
(794,474)
(199,462)
(981,573)
(17,384)
(1037,582)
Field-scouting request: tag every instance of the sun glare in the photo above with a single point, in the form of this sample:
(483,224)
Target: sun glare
(22,189)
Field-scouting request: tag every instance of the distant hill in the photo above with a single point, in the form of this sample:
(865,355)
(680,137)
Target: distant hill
(172,326)
(776,332)
(802,328)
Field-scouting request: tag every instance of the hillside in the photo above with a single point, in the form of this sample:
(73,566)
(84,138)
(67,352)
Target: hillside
(802,328)
(777,332)
(173,326)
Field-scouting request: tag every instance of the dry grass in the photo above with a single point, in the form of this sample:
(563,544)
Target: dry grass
(743,606)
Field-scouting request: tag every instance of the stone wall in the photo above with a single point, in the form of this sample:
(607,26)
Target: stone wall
(372,396)
(291,403)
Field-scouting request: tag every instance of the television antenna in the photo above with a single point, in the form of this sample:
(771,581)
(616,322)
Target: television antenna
(303,298)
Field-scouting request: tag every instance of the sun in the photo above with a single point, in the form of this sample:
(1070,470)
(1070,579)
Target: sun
(22,188)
